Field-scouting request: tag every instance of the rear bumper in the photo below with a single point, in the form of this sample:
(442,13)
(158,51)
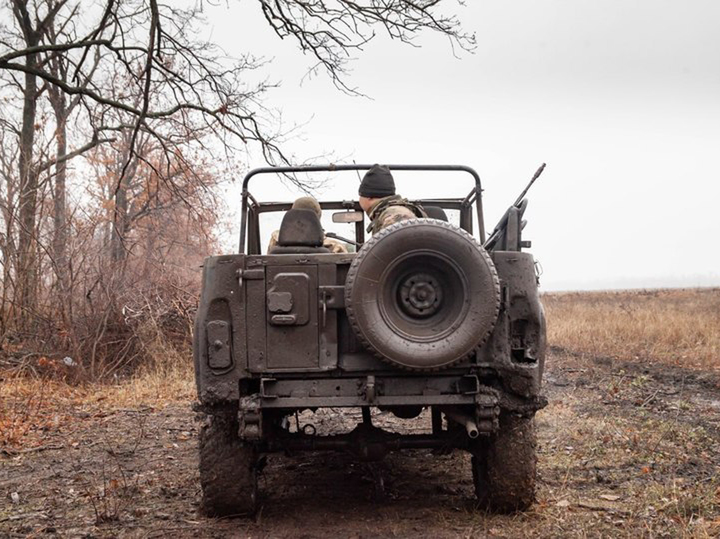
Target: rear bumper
(460,397)
(370,390)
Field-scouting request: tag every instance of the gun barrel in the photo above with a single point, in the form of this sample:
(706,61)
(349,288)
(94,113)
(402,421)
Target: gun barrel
(529,185)
(341,238)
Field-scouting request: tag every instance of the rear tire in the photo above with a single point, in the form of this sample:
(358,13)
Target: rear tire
(504,466)
(228,467)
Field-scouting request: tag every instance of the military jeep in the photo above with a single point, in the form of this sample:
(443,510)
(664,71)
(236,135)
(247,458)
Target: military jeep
(426,319)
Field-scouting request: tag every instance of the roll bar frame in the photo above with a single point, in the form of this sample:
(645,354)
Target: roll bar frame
(475,195)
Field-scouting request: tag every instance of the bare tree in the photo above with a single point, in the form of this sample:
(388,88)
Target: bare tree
(196,88)
(32,30)
(8,205)
(332,31)
(36,24)
(151,99)
(63,106)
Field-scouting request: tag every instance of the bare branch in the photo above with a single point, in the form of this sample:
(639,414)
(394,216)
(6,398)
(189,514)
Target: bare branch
(79,151)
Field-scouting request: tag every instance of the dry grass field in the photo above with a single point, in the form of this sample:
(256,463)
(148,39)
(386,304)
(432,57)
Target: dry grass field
(629,446)
(674,327)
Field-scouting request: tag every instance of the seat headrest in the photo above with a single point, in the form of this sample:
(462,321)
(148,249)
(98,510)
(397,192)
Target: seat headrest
(301,228)
(435,212)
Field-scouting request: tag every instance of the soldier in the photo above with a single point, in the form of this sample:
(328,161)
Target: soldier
(309,203)
(379,201)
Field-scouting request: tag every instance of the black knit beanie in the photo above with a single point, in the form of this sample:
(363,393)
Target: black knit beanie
(377,183)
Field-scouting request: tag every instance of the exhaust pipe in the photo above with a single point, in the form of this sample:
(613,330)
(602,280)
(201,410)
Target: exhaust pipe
(466,421)
(472,429)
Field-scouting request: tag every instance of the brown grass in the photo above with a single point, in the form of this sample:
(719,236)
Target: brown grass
(32,407)
(677,327)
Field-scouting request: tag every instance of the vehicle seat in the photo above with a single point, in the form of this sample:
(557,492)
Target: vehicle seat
(435,212)
(300,232)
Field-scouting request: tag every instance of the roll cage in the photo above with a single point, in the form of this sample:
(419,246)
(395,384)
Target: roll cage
(251,208)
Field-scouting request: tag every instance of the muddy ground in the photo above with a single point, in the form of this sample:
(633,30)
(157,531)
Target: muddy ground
(624,451)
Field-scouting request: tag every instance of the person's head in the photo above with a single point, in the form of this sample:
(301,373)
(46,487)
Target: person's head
(377,183)
(308,203)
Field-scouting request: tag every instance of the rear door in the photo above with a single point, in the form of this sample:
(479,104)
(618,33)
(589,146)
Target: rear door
(292,317)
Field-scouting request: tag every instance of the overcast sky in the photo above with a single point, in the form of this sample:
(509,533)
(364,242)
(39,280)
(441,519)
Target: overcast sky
(620,98)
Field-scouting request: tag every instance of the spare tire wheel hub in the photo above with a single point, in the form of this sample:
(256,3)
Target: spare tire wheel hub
(420,295)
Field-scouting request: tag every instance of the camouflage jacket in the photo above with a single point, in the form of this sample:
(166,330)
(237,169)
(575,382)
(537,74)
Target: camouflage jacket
(390,210)
(332,245)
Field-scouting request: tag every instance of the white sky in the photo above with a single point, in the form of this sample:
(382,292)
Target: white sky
(620,98)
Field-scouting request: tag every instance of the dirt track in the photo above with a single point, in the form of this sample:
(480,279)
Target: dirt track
(624,451)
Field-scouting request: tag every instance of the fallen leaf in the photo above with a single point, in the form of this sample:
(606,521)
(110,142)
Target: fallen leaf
(609,497)
(563,503)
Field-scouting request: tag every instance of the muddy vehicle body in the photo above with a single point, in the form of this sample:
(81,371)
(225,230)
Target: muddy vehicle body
(425,315)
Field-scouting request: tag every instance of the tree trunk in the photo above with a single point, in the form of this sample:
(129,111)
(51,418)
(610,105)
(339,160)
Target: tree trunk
(120,224)
(117,247)
(60,211)
(8,251)
(26,277)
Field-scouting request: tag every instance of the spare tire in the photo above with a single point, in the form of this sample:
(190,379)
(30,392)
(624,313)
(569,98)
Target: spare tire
(422,294)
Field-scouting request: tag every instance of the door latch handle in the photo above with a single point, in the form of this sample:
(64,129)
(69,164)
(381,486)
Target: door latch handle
(323,302)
